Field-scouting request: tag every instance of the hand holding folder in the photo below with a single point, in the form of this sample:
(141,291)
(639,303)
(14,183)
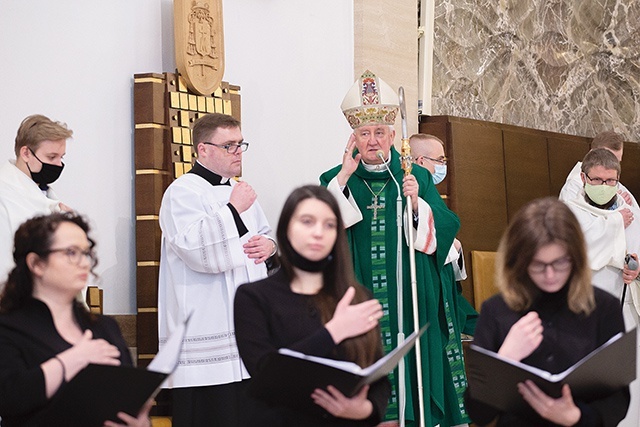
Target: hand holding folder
(99,392)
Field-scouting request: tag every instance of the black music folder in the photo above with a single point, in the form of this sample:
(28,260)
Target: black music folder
(99,392)
(289,377)
(493,379)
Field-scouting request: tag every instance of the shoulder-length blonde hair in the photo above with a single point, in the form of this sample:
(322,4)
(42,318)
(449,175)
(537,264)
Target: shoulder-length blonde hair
(540,223)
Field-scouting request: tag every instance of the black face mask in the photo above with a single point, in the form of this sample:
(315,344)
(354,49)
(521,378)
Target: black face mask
(48,174)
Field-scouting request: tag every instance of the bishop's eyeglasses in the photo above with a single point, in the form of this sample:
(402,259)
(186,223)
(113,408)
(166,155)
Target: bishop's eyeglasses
(231,148)
(440,161)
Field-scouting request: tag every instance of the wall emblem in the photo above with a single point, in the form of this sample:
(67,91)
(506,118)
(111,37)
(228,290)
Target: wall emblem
(199,43)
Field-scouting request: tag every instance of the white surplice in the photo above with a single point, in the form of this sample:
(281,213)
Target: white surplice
(20,199)
(202,263)
(572,187)
(607,243)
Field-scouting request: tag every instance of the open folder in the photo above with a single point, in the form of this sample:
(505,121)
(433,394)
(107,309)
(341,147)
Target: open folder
(289,377)
(99,392)
(493,379)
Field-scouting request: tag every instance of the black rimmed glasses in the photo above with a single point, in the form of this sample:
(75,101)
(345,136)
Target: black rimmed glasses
(558,265)
(440,161)
(75,254)
(599,181)
(231,148)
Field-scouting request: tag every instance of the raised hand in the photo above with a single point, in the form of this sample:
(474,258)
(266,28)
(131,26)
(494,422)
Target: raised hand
(242,196)
(349,163)
(410,189)
(353,320)
(627,216)
(629,275)
(523,338)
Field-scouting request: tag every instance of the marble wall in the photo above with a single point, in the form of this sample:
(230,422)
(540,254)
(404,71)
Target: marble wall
(570,66)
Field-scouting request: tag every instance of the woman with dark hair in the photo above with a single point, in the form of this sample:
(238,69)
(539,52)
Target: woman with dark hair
(548,315)
(46,336)
(313,305)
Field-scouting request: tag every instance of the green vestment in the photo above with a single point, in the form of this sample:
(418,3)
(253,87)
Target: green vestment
(375,267)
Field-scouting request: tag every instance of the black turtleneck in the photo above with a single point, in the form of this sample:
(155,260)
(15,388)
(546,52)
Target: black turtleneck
(215,179)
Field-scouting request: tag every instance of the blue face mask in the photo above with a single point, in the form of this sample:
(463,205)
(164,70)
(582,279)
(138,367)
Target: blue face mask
(439,174)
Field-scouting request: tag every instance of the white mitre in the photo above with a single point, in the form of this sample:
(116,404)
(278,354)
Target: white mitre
(370,101)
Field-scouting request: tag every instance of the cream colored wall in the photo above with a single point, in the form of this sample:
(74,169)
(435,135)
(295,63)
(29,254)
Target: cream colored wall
(386,42)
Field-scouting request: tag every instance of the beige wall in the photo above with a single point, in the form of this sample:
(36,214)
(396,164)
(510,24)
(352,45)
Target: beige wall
(386,42)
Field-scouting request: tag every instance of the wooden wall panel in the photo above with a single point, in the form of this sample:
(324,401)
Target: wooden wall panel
(563,155)
(630,176)
(526,168)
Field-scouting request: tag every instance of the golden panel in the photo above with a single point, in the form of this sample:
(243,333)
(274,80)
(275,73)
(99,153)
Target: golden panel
(202,104)
(182,87)
(147,309)
(184,119)
(186,136)
(147,217)
(175,100)
(177,135)
(218,108)
(187,167)
(184,101)
(151,172)
(210,107)
(218,92)
(186,153)
(148,263)
(178,170)
(193,102)
(227,107)
(149,125)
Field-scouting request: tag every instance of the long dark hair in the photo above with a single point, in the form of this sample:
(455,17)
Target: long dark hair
(337,276)
(34,236)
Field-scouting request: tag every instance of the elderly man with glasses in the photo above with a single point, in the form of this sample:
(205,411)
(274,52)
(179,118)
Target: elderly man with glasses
(611,229)
(214,238)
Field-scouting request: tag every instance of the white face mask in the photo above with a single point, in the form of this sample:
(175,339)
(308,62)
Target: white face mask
(600,194)
(439,174)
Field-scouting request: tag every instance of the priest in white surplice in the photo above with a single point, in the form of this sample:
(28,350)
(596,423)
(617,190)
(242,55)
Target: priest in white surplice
(214,238)
(24,182)
(612,230)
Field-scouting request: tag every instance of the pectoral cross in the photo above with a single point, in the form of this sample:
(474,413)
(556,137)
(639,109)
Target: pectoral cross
(375,206)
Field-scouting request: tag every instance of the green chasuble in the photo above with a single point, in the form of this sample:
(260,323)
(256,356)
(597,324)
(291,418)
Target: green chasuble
(374,251)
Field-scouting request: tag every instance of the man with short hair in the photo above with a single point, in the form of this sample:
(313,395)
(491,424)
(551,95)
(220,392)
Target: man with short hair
(428,152)
(611,229)
(214,238)
(613,142)
(40,146)
(367,197)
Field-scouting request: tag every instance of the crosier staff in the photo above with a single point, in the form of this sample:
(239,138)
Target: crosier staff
(407,163)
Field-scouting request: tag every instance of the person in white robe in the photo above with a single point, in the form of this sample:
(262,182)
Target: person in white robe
(24,182)
(214,238)
(612,231)
(613,142)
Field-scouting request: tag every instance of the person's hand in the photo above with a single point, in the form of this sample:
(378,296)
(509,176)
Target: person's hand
(337,404)
(242,196)
(86,351)
(626,196)
(410,189)
(562,411)
(629,275)
(353,320)
(259,248)
(64,208)
(349,163)
(142,420)
(523,338)
(627,216)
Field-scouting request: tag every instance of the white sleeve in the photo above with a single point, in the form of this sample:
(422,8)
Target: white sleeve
(349,209)
(424,238)
(206,243)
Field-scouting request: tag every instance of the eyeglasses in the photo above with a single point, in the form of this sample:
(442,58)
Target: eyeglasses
(559,265)
(599,181)
(75,254)
(231,148)
(440,161)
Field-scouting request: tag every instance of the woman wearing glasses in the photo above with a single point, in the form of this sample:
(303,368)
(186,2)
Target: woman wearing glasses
(548,315)
(46,336)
